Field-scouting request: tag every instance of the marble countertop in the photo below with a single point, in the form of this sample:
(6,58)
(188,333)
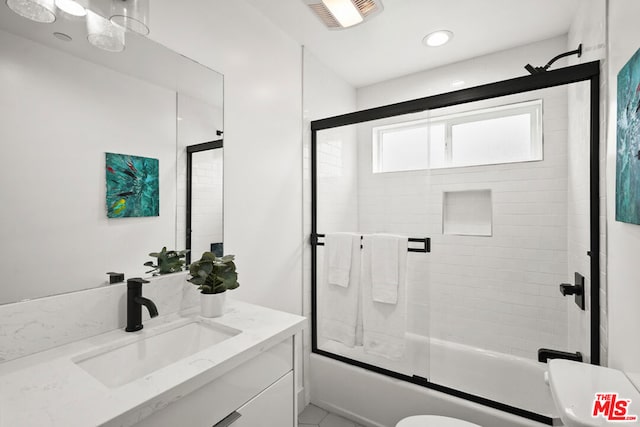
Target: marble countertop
(49,389)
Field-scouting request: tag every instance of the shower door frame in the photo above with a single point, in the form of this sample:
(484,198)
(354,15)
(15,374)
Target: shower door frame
(587,72)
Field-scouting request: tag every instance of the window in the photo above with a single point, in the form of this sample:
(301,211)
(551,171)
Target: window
(505,134)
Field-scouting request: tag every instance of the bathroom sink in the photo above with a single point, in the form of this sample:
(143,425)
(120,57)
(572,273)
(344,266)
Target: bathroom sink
(120,365)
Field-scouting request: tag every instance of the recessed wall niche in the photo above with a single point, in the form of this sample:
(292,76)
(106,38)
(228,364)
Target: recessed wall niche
(467,213)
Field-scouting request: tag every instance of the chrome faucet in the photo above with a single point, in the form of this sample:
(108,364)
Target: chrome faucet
(135,301)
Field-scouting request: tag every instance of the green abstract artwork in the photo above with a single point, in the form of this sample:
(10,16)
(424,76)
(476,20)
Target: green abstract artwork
(628,143)
(132,186)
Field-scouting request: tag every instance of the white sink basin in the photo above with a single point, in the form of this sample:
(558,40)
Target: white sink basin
(117,366)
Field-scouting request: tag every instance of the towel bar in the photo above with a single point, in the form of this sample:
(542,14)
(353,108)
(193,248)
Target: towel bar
(426,242)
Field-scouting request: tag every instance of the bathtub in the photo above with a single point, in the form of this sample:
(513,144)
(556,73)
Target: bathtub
(377,400)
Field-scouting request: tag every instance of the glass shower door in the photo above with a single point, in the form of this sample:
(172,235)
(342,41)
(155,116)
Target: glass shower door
(371,181)
(510,223)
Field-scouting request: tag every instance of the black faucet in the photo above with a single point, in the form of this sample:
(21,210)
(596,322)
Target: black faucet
(135,301)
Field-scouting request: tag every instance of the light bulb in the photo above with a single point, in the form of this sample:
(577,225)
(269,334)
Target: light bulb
(43,11)
(71,7)
(104,34)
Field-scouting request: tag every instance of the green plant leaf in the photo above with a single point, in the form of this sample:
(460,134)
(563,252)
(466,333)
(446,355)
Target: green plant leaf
(208,256)
(199,281)
(213,274)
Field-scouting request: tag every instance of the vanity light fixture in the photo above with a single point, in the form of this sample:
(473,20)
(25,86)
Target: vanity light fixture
(340,14)
(131,14)
(104,34)
(437,38)
(43,11)
(72,7)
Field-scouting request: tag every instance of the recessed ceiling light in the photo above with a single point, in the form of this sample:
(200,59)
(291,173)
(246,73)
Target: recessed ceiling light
(71,7)
(437,38)
(457,83)
(62,36)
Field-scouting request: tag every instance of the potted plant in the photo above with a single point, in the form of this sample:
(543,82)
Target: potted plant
(168,261)
(213,276)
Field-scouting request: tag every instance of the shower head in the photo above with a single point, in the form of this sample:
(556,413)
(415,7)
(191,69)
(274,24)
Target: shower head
(536,70)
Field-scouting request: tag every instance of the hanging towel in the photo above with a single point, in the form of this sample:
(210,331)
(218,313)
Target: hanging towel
(338,305)
(385,266)
(337,248)
(384,324)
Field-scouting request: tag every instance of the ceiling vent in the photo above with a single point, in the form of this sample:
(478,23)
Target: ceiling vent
(340,14)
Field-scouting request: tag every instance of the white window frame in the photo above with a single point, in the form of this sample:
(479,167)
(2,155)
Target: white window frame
(534,108)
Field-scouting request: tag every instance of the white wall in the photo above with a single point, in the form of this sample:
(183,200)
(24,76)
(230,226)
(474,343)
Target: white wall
(263,141)
(54,232)
(326,94)
(498,66)
(623,239)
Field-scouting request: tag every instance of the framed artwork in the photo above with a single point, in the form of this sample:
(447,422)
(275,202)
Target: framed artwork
(132,186)
(628,142)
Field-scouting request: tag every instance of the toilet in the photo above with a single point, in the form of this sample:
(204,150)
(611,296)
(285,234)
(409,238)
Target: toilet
(433,421)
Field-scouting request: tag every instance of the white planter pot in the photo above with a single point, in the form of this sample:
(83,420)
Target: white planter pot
(212,305)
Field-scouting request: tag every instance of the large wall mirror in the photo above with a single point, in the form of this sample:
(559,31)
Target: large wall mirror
(64,105)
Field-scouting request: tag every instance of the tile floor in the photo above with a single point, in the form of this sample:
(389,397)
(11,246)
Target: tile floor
(312,416)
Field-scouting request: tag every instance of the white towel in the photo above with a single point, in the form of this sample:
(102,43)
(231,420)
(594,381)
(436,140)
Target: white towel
(385,266)
(337,248)
(384,325)
(338,306)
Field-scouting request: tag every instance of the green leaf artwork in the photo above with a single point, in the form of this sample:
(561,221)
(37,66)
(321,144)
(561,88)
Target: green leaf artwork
(628,144)
(132,186)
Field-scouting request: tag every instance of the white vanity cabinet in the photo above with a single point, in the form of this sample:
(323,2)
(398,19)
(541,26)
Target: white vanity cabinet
(259,392)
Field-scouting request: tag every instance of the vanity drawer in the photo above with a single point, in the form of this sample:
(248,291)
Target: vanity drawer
(210,404)
(271,408)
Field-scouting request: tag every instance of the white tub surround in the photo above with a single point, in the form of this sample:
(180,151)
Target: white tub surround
(50,389)
(488,374)
(338,387)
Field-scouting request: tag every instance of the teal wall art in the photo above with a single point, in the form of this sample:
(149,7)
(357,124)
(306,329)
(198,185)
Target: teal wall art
(628,143)
(132,186)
